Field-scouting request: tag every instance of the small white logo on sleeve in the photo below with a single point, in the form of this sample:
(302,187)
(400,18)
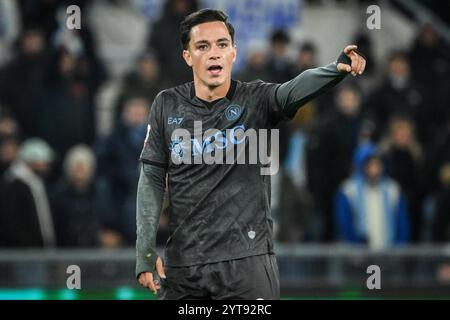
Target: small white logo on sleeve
(148,133)
(251,234)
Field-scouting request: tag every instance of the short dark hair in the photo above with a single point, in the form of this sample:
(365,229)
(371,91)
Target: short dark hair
(278,36)
(199,17)
(308,46)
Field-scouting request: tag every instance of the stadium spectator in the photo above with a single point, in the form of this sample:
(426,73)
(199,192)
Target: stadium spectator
(370,208)
(434,76)
(68,115)
(438,155)
(441,215)
(146,81)
(41,13)
(333,142)
(25,216)
(255,67)
(21,80)
(279,68)
(404,163)
(398,94)
(298,217)
(164,39)
(118,162)
(9,142)
(306,58)
(430,47)
(9,145)
(74,201)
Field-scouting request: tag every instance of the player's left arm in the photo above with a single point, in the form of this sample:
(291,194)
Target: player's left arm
(293,94)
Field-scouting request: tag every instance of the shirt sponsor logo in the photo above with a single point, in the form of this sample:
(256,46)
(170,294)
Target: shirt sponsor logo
(236,145)
(177,148)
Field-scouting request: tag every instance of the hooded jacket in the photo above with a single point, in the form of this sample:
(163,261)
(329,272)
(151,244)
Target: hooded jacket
(354,203)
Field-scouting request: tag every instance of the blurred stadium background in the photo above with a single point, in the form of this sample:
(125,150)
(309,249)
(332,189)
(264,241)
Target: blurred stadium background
(73,112)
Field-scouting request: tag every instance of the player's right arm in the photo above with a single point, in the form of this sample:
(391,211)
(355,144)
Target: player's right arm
(151,186)
(150,193)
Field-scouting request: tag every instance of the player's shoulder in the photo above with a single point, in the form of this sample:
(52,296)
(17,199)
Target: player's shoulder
(172,97)
(257,86)
(177,92)
(252,84)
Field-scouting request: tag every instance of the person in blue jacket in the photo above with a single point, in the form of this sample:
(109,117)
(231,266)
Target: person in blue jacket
(370,208)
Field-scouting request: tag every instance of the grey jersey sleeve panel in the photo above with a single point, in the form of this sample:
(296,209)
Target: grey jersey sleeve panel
(155,150)
(150,193)
(306,86)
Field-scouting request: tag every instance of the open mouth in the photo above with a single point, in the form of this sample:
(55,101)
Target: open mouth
(215,69)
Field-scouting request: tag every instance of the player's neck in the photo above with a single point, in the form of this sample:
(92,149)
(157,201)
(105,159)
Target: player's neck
(209,94)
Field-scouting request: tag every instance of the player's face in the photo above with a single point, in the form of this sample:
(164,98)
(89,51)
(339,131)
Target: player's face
(211,53)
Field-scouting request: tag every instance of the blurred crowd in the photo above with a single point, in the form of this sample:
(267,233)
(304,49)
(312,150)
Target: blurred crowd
(366,163)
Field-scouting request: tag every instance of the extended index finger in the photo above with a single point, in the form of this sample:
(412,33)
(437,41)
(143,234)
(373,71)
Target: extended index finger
(355,62)
(360,65)
(363,67)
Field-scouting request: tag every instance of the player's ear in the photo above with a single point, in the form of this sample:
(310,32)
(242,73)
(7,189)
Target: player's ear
(187,57)
(234,52)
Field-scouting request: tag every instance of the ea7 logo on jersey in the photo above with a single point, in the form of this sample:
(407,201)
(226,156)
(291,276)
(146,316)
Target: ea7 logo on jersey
(174,120)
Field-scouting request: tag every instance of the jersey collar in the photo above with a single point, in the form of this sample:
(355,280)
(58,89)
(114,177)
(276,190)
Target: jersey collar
(229,96)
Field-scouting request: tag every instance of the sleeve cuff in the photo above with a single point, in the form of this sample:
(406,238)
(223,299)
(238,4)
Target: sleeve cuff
(344,59)
(146,264)
(155,163)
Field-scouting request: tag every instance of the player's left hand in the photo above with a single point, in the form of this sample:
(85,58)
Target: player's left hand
(149,280)
(358,62)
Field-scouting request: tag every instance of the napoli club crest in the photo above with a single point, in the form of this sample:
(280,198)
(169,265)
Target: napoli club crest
(233,112)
